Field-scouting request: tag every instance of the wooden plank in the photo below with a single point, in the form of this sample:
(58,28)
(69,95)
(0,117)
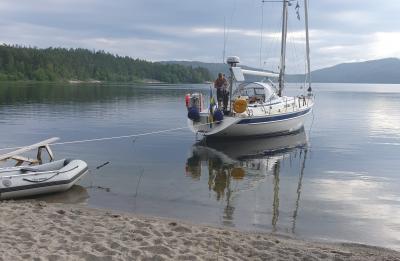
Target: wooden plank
(23,159)
(28,148)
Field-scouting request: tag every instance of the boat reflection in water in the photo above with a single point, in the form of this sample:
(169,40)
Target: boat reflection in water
(235,167)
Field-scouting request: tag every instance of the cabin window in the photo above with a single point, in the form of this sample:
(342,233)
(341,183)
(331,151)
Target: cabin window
(249,92)
(254,94)
(259,91)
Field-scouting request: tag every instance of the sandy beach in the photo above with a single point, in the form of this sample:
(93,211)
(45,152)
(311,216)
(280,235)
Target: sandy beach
(33,230)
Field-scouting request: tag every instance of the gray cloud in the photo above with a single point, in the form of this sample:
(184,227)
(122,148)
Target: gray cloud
(341,30)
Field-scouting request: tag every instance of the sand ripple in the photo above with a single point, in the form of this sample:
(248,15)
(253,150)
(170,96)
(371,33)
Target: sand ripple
(40,231)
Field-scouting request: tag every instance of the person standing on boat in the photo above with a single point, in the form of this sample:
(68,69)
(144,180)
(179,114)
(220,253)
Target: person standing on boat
(221,84)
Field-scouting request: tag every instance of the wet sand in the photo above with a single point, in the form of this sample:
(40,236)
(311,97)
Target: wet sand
(33,230)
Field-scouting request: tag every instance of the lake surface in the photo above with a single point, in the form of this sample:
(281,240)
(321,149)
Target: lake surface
(336,180)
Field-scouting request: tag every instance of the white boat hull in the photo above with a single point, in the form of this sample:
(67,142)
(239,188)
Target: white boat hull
(255,126)
(43,179)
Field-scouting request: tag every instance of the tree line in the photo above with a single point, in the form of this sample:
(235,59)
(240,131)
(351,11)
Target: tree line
(61,64)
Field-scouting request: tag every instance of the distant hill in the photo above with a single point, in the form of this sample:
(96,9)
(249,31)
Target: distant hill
(374,71)
(60,64)
(75,65)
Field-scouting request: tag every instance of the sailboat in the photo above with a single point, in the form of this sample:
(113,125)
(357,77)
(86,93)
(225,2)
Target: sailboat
(254,108)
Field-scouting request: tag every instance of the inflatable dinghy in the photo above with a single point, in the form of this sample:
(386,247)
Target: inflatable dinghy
(56,176)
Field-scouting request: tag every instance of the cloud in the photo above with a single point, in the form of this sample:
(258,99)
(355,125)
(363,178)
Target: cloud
(353,17)
(385,44)
(340,31)
(38,36)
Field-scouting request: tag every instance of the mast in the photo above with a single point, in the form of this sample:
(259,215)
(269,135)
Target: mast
(299,186)
(275,203)
(308,78)
(283,46)
(261,29)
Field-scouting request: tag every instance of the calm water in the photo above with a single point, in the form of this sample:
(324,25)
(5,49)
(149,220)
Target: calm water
(337,180)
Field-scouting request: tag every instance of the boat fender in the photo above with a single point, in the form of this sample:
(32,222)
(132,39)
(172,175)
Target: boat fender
(194,114)
(187,100)
(218,116)
(240,105)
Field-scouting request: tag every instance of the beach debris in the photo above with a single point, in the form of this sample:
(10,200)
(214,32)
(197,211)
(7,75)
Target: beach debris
(100,187)
(113,215)
(41,204)
(104,188)
(102,165)
(61,211)
(76,211)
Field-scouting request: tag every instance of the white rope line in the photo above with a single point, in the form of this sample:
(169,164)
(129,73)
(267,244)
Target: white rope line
(115,137)
(118,137)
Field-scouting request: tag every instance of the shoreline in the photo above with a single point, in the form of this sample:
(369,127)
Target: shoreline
(58,231)
(94,82)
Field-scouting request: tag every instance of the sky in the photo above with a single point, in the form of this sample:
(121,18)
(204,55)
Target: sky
(158,30)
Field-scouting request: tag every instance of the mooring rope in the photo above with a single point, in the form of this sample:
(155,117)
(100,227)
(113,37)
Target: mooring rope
(116,137)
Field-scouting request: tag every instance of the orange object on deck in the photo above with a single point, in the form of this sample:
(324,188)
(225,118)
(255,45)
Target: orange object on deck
(240,105)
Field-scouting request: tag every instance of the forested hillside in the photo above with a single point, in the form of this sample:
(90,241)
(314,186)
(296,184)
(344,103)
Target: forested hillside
(60,64)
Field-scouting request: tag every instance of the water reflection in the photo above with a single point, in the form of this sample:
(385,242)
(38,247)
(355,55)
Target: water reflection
(76,195)
(235,166)
(12,93)
(350,189)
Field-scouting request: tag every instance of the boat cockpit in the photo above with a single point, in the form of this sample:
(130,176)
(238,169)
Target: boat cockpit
(255,93)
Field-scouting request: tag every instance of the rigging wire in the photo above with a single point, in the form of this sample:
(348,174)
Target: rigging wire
(293,50)
(262,29)
(272,47)
(227,31)
(295,53)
